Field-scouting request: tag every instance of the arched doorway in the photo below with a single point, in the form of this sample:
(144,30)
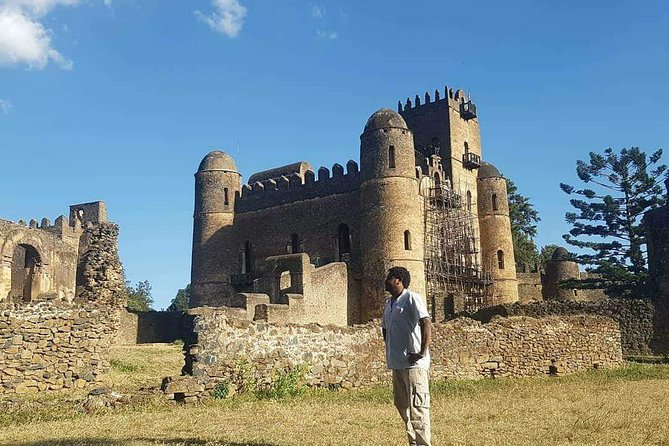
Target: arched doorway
(26,265)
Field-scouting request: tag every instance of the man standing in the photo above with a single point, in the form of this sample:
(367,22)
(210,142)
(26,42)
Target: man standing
(407,328)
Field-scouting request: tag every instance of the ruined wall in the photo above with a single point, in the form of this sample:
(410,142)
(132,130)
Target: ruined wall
(148,327)
(100,276)
(354,356)
(37,263)
(44,346)
(529,287)
(636,318)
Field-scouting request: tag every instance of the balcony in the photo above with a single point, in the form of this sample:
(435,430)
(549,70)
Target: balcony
(468,110)
(471,161)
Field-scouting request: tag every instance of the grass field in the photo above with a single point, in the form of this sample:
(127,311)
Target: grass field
(629,406)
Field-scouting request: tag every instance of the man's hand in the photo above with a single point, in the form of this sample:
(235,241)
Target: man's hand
(414,357)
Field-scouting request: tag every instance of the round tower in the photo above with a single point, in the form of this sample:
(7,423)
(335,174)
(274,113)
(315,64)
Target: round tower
(392,217)
(495,226)
(215,257)
(559,268)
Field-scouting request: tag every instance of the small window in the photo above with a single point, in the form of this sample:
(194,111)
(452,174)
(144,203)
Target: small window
(469,201)
(295,244)
(407,240)
(494,202)
(391,157)
(466,147)
(343,242)
(247,261)
(500,259)
(437,179)
(226,196)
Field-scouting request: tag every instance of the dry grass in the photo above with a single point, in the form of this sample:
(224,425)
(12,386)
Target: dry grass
(623,407)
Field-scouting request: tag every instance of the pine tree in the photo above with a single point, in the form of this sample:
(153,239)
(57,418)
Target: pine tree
(625,186)
(523,218)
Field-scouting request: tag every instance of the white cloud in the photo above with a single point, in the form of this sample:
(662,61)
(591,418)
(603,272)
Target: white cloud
(226,18)
(24,40)
(5,106)
(317,12)
(329,35)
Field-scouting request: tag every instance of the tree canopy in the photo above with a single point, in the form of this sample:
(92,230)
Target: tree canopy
(607,223)
(523,218)
(139,297)
(181,300)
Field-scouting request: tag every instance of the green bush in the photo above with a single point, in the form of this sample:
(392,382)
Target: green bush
(123,366)
(285,383)
(221,390)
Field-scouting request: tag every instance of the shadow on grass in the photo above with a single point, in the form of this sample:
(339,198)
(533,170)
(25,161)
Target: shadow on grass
(153,441)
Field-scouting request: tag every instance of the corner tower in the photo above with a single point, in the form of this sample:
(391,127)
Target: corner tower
(496,240)
(392,218)
(217,185)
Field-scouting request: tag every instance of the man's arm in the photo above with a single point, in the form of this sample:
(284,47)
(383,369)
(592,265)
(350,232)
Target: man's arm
(425,338)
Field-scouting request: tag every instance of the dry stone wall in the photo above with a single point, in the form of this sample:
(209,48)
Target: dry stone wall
(637,318)
(350,357)
(51,347)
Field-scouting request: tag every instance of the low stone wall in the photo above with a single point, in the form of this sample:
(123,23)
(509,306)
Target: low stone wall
(49,347)
(354,356)
(636,318)
(147,327)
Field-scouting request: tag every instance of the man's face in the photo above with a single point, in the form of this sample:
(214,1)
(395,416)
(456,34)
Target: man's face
(393,284)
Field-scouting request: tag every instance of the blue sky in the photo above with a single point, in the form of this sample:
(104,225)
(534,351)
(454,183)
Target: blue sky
(119,100)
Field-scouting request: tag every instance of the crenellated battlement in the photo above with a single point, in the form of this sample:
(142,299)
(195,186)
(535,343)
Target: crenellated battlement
(288,189)
(454,99)
(63,227)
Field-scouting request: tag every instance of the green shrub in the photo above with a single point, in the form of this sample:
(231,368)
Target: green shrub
(123,366)
(221,390)
(285,383)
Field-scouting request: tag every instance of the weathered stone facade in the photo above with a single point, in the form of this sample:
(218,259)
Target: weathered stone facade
(637,318)
(368,218)
(53,346)
(351,357)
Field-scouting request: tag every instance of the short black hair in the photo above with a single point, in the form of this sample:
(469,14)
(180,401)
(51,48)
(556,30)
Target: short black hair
(401,273)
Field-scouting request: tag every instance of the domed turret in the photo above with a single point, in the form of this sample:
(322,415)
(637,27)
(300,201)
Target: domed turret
(495,227)
(217,160)
(561,267)
(392,220)
(217,185)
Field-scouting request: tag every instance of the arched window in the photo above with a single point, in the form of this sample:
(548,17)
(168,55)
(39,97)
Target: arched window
(466,147)
(500,259)
(226,196)
(469,201)
(407,240)
(437,179)
(295,244)
(343,242)
(391,157)
(494,202)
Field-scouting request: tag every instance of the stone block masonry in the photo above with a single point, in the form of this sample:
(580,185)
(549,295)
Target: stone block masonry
(49,347)
(350,357)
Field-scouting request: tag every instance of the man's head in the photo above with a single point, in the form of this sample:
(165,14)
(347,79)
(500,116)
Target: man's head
(397,280)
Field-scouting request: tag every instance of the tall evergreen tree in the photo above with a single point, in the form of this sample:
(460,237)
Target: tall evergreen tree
(625,186)
(523,218)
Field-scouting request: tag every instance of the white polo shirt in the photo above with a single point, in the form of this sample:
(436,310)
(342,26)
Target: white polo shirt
(403,333)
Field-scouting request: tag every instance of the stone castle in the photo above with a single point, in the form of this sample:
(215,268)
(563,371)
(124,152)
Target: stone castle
(296,245)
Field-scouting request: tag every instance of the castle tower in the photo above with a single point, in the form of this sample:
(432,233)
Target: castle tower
(392,218)
(215,255)
(559,268)
(448,126)
(496,241)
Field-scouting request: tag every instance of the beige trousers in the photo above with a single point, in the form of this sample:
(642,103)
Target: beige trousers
(411,393)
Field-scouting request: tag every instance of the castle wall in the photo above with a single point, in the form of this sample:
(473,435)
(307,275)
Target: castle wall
(316,221)
(529,287)
(44,346)
(52,278)
(354,356)
(148,327)
(656,225)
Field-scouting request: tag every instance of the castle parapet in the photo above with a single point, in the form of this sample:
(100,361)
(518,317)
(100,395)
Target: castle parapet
(457,100)
(298,187)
